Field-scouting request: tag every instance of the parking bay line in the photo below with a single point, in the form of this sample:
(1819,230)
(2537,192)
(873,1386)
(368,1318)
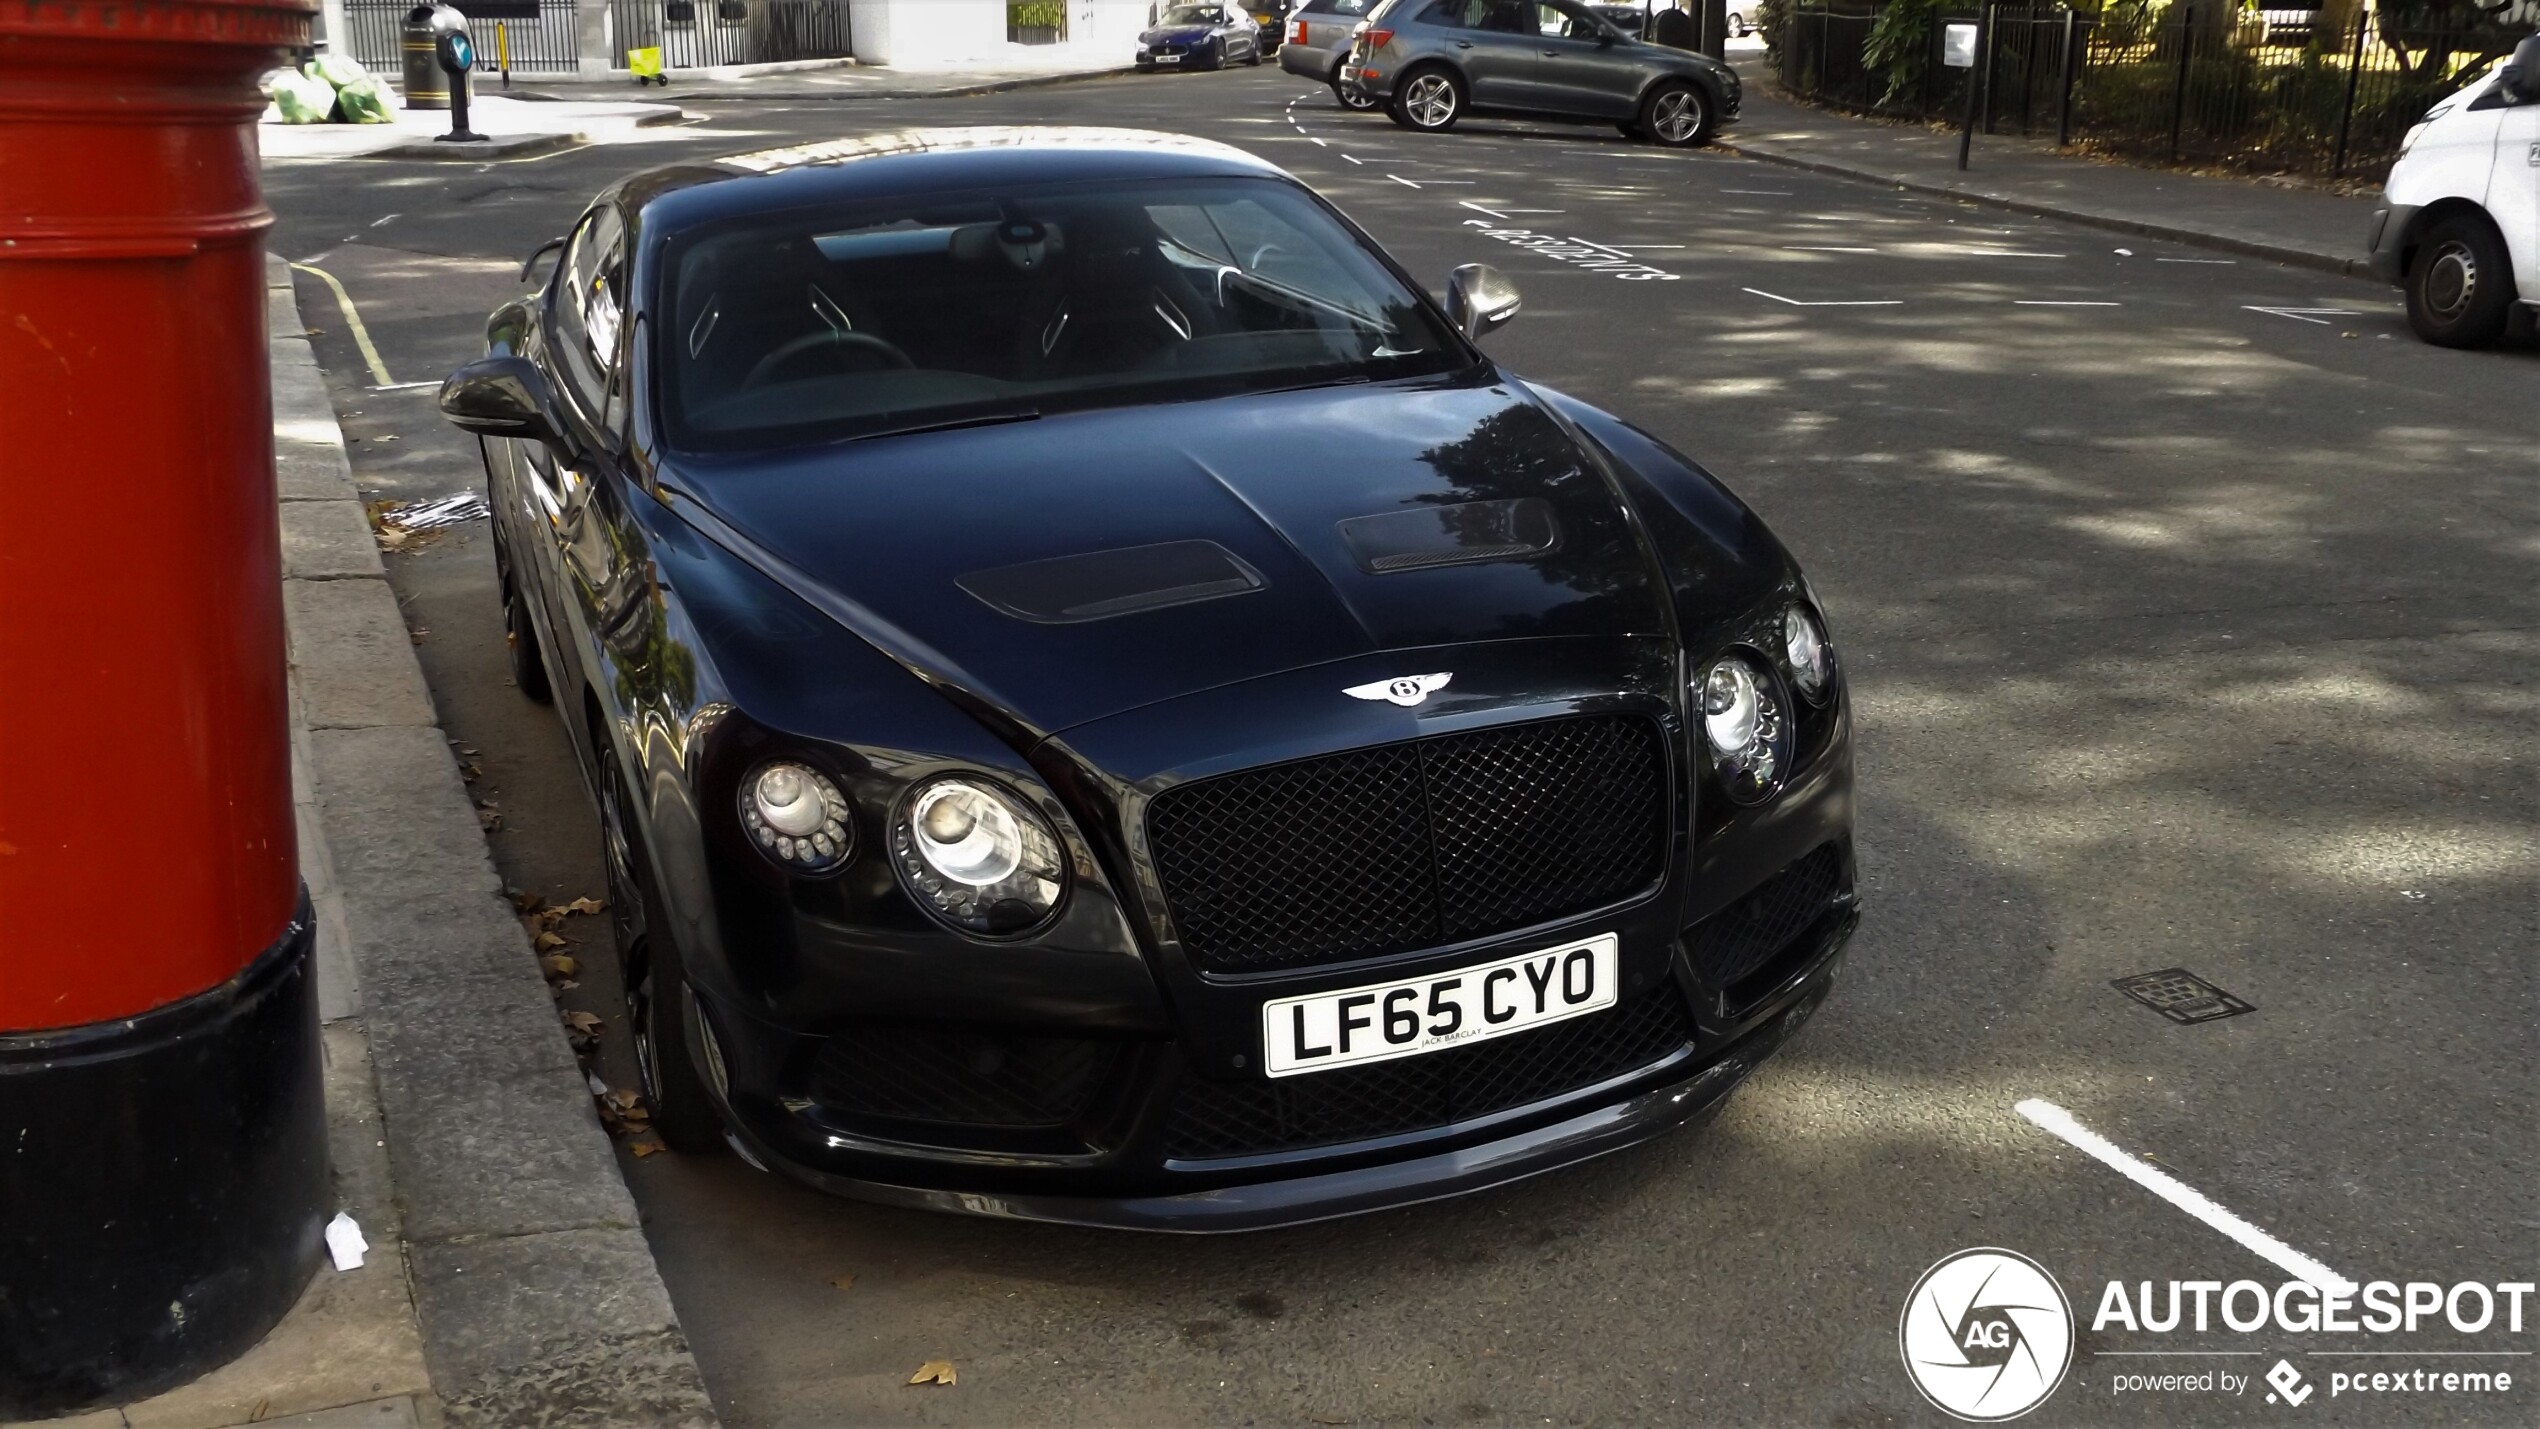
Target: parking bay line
(2061,303)
(353,320)
(1843,303)
(2061,1124)
(2306,315)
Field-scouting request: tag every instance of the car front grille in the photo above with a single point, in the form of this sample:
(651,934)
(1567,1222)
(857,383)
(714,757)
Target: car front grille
(959,1078)
(1411,845)
(1256,1116)
(1750,935)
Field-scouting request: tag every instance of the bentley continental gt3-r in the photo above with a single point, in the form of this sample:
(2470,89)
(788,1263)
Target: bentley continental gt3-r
(1106,706)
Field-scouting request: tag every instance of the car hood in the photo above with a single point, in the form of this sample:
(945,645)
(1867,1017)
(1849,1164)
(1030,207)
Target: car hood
(1065,569)
(1177,32)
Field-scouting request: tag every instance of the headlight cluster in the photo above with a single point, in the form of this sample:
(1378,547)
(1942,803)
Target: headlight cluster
(798,818)
(985,861)
(1745,707)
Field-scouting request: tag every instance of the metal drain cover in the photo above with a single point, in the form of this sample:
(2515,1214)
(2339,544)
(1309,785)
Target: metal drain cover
(2181,996)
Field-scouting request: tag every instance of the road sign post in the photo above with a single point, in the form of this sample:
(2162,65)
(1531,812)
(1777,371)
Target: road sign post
(1960,43)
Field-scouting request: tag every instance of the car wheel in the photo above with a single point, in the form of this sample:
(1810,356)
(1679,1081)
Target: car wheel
(661,1013)
(2460,284)
(1252,57)
(1676,115)
(1357,101)
(1430,100)
(520,638)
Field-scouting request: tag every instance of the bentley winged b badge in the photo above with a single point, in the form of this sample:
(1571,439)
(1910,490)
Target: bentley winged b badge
(1402,689)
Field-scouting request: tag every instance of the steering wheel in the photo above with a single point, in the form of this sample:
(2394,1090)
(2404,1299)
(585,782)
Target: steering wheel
(888,351)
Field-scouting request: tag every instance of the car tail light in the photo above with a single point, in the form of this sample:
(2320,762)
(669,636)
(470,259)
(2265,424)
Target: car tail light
(1297,36)
(1378,39)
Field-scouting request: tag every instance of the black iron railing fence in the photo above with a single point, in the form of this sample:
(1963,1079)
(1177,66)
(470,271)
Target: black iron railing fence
(696,33)
(2296,94)
(535,35)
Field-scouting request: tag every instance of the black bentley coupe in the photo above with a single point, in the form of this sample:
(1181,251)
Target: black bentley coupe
(1106,706)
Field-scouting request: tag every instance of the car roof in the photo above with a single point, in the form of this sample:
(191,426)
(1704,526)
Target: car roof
(914,161)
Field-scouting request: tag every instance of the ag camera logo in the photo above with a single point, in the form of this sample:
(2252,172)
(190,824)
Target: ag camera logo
(1986,1335)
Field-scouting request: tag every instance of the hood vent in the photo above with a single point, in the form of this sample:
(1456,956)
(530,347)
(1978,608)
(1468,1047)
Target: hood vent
(1467,533)
(1068,590)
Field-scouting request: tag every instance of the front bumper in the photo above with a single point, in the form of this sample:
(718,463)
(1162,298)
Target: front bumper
(1601,1120)
(2387,242)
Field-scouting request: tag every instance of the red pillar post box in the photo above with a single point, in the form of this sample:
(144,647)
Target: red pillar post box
(163,1177)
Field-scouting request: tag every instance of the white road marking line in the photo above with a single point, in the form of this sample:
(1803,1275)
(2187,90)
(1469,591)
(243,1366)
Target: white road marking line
(1537,210)
(1600,247)
(1848,303)
(1823,248)
(1639,246)
(1406,183)
(1477,208)
(1319,144)
(2217,262)
(405,386)
(2009,253)
(2306,315)
(2060,303)
(384,222)
(353,320)
(1353,158)
(1760,193)
(2056,1121)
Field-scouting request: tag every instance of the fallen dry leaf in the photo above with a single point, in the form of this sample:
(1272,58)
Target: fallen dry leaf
(489,819)
(643,1149)
(525,901)
(586,906)
(548,941)
(842,1282)
(558,966)
(936,1372)
(583,1022)
(393,539)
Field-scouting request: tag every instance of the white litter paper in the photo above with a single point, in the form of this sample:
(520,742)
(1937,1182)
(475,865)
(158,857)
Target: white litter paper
(344,1241)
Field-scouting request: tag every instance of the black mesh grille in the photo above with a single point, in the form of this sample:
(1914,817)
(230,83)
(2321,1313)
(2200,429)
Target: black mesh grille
(959,1078)
(1733,944)
(1436,1089)
(1411,845)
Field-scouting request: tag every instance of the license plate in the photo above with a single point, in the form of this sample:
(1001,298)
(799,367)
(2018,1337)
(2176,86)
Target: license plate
(1168,59)
(1385,1020)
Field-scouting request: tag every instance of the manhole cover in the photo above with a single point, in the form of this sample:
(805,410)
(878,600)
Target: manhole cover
(2181,996)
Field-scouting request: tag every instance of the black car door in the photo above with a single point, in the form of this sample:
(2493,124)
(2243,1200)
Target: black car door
(598,584)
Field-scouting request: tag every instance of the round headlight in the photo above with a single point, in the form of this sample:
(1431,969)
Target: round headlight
(1748,730)
(978,856)
(1811,663)
(797,818)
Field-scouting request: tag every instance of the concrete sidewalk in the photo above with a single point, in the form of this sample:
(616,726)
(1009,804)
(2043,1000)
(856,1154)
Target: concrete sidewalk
(513,127)
(2310,228)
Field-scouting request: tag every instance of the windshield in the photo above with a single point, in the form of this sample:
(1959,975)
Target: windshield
(852,321)
(1193,15)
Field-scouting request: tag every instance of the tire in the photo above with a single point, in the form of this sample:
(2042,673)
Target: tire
(1627,128)
(1676,115)
(520,638)
(1253,59)
(1429,99)
(1356,101)
(661,1012)
(2460,283)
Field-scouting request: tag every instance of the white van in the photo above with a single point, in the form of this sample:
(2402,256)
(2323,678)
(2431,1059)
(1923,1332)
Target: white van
(2460,229)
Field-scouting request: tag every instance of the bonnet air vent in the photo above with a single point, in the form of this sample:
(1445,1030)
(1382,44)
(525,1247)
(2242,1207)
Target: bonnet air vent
(1464,534)
(1065,590)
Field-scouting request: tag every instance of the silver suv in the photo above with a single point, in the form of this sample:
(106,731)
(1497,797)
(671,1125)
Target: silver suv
(1431,62)
(1317,42)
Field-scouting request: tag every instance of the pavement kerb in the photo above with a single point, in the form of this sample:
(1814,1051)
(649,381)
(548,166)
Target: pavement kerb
(513,146)
(2297,257)
(535,1290)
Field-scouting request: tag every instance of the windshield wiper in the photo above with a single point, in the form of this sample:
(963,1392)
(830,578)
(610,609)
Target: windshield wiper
(954,424)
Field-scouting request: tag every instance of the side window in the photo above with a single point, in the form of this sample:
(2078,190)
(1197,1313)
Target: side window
(1452,14)
(588,308)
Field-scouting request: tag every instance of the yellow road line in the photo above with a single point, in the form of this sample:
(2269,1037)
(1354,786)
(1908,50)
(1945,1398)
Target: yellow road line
(353,319)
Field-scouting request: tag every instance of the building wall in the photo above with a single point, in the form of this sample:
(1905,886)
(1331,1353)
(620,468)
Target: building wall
(918,32)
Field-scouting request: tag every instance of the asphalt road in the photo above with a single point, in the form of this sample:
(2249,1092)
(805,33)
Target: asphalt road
(2189,605)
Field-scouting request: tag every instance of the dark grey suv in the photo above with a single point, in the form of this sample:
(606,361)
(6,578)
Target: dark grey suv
(1431,62)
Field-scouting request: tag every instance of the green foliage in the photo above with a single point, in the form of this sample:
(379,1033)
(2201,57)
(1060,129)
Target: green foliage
(1899,46)
(1035,14)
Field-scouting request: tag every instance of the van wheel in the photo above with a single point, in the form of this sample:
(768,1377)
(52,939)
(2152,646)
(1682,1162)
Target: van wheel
(2460,284)
(1429,100)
